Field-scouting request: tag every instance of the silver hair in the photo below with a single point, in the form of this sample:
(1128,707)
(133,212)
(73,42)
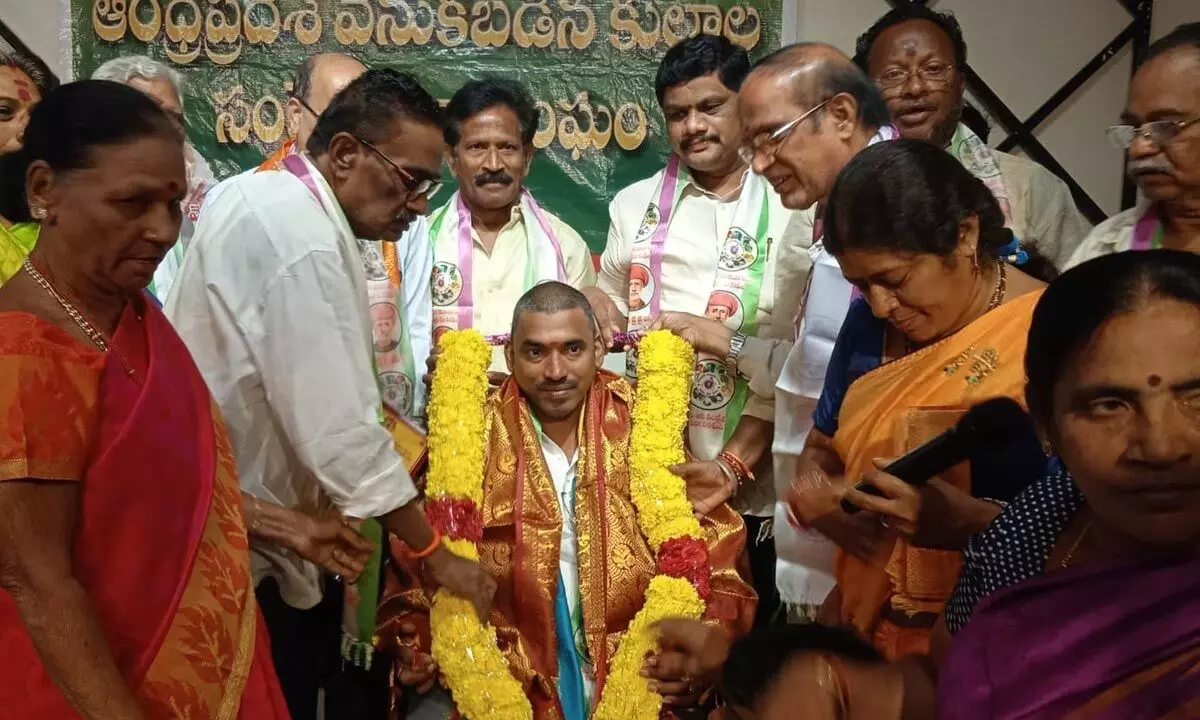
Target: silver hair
(124,69)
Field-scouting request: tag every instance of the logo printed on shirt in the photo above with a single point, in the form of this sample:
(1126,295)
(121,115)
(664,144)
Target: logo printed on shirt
(446,283)
(739,251)
(714,386)
(649,223)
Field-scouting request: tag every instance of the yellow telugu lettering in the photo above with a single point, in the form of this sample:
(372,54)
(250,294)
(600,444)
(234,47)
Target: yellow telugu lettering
(541,34)
(144,30)
(223,30)
(183,26)
(256,32)
(627,32)
(578,125)
(229,130)
(569,30)
(305,24)
(346,26)
(390,30)
(492,23)
(452,29)
(109,20)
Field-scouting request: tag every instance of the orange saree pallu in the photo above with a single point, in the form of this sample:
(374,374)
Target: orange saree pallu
(523,530)
(161,545)
(896,408)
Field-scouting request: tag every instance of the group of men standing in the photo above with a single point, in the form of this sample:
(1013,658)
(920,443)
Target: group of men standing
(315,287)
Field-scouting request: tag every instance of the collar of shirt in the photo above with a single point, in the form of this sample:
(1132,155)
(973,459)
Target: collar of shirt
(691,183)
(329,203)
(515,219)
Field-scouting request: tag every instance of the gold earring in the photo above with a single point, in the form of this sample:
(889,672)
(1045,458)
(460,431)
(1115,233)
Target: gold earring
(1047,448)
(38,213)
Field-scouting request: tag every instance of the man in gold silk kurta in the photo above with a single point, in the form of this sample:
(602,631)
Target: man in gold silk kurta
(560,532)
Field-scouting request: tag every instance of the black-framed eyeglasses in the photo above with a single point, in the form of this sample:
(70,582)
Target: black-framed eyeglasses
(417,188)
(771,143)
(1159,132)
(931,73)
(306,106)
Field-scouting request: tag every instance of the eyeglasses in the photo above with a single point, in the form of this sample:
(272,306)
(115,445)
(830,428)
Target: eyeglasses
(417,188)
(932,73)
(771,143)
(306,106)
(1159,132)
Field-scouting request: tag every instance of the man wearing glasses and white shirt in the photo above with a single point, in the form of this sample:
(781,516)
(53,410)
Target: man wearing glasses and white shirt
(272,302)
(1161,136)
(804,112)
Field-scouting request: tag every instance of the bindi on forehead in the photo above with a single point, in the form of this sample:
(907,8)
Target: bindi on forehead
(1154,381)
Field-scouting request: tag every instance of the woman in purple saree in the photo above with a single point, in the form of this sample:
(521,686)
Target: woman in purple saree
(1081,600)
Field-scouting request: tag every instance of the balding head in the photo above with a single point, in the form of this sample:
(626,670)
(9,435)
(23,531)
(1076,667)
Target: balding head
(317,80)
(835,109)
(815,72)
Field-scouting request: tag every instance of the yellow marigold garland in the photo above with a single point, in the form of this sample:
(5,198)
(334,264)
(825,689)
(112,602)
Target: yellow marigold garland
(660,410)
(473,667)
(465,649)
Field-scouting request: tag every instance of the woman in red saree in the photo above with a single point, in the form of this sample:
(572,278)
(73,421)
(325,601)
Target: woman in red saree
(123,549)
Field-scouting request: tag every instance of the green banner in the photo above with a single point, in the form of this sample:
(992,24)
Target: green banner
(589,63)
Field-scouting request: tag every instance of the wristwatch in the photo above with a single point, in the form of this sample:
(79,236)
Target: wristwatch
(735,349)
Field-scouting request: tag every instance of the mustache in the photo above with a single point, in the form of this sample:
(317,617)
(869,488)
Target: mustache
(493,176)
(561,385)
(1150,165)
(688,142)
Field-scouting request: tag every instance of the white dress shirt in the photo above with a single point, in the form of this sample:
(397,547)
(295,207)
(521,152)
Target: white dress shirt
(271,301)
(1114,235)
(691,250)
(415,254)
(562,472)
(499,274)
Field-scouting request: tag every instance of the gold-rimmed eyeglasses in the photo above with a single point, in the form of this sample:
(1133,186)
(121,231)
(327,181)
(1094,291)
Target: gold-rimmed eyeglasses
(931,73)
(770,143)
(1158,132)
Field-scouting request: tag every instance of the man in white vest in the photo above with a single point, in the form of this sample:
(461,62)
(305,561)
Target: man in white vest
(492,241)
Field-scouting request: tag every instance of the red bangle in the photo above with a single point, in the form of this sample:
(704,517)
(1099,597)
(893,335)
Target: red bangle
(738,465)
(433,545)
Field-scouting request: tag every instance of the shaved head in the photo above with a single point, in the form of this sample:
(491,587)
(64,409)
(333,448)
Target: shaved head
(317,80)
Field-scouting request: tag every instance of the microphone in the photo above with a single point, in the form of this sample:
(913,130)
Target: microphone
(990,422)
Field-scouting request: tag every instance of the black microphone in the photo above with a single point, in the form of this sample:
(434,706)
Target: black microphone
(991,422)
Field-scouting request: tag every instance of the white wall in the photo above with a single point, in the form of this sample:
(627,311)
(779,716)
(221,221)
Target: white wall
(1025,50)
(38,24)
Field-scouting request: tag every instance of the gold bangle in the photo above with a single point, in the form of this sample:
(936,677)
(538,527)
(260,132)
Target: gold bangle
(255,512)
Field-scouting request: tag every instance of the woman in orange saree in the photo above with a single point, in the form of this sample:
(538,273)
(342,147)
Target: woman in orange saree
(940,326)
(123,548)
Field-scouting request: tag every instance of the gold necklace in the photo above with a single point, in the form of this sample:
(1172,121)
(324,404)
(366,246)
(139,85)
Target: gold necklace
(87,327)
(1066,561)
(75,313)
(1001,287)
(998,292)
